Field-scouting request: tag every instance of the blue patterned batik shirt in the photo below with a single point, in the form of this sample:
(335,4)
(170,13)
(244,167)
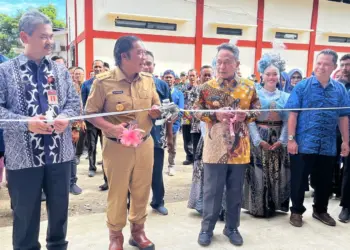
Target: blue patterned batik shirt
(316,129)
(24,87)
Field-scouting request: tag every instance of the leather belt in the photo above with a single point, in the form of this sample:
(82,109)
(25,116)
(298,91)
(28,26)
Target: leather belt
(269,123)
(118,140)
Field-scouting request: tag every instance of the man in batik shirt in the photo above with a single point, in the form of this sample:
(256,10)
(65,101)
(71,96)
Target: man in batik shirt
(33,89)
(226,152)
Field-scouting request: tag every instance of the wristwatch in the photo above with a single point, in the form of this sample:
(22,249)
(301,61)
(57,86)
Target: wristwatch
(291,137)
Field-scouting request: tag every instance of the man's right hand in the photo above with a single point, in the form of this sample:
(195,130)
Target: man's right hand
(117,130)
(292,147)
(37,125)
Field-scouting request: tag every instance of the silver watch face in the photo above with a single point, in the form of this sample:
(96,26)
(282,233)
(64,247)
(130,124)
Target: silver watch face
(291,137)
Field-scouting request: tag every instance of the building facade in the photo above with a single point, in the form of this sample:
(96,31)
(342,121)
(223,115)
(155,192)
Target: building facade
(184,34)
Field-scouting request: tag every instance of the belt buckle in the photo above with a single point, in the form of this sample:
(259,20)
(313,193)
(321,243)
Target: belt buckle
(270,123)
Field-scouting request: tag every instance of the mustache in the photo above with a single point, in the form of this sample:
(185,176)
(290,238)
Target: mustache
(50,46)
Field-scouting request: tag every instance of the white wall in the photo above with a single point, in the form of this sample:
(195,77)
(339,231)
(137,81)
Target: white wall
(246,57)
(230,11)
(80,16)
(81,54)
(293,58)
(178,57)
(70,21)
(288,14)
(334,17)
(163,8)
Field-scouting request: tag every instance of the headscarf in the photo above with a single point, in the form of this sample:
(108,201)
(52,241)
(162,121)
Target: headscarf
(287,87)
(271,59)
(335,73)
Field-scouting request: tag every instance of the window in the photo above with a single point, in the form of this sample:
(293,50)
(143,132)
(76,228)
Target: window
(229,31)
(340,1)
(145,25)
(290,36)
(338,39)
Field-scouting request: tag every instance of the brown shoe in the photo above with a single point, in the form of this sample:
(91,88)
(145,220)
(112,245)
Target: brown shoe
(296,220)
(324,218)
(116,240)
(139,239)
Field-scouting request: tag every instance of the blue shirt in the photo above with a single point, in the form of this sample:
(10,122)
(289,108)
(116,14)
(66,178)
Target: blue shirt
(24,87)
(158,132)
(316,129)
(85,90)
(178,98)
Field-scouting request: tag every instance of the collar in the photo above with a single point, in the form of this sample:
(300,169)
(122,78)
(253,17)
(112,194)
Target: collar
(23,59)
(120,76)
(234,81)
(316,82)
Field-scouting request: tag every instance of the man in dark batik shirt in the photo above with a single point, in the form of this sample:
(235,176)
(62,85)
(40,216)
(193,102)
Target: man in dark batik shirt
(39,149)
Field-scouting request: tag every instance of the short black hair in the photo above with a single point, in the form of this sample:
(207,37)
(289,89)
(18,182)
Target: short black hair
(329,52)
(206,67)
(191,71)
(106,65)
(345,57)
(123,45)
(79,68)
(97,60)
(72,67)
(55,58)
(149,53)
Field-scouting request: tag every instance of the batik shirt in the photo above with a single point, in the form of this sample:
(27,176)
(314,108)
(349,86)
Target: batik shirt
(220,147)
(190,96)
(24,87)
(316,129)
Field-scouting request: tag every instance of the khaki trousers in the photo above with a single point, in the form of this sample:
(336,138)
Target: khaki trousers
(127,168)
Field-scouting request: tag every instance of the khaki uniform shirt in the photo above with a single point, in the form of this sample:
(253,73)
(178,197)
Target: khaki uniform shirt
(112,92)
(219,146)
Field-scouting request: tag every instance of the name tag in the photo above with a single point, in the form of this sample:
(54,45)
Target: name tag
(118,92)
(52,97)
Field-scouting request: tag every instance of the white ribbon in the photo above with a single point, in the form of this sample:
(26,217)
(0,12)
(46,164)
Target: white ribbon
(83,117)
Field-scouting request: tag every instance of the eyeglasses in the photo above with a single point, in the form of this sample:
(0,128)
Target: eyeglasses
(296,77)
(207,75)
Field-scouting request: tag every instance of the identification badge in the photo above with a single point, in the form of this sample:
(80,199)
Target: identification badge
(52,97)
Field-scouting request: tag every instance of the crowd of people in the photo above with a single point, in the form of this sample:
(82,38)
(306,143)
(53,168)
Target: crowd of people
(256,144)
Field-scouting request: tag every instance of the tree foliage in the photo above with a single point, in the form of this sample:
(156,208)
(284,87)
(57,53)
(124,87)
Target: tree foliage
(9,34)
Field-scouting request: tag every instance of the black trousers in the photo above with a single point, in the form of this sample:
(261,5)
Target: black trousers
(81,143)
(157,178)
(216,177)
(188,145)
(345,196)
(25,187)
(195,139)
(92,137)
(337,172)
(73,173)
(320,169)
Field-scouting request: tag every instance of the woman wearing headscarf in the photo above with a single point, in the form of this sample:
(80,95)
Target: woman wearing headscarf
(295,76)
(267,183)
(337,74)
(285,82)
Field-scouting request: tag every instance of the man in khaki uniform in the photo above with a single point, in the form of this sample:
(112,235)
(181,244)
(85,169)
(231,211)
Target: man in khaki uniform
(127,168)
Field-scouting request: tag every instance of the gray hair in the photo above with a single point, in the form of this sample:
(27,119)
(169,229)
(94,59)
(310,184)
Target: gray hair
(31,19)
(230,47)
(330,53)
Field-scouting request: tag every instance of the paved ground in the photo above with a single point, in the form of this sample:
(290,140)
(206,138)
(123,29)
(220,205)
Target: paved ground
(180,228)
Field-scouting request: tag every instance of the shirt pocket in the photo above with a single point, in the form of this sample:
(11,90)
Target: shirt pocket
(144,92)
